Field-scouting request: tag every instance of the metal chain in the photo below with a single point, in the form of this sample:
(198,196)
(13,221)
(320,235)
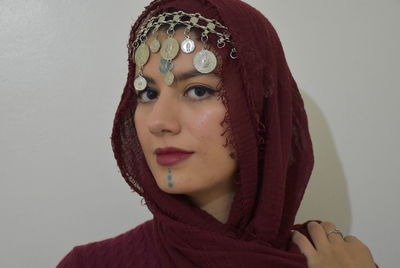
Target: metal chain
(156,22)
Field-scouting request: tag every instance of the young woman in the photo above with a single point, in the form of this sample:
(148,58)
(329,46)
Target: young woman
(211,130)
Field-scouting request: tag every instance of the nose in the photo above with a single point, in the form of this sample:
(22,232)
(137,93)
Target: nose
(164,116)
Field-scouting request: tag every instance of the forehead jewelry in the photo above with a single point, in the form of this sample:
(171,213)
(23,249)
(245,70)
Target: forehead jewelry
(204,61)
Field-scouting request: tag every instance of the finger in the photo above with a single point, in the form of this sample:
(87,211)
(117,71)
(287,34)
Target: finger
(305,245)
(318,235)
(351,239)
(332,237)
(357,245)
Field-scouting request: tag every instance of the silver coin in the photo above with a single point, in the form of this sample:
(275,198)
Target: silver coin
(140,83)
(169,48)
(188,46)
(205,61)
(169,78)
(142,55)
(155,46)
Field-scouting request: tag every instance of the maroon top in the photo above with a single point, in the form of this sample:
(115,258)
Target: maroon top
(273,149)
(134,248)
(130,249)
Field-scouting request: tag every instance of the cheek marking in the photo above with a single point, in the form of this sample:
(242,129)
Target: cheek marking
(170,184)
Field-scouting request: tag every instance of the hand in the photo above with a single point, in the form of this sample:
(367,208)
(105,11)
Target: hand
(332,251)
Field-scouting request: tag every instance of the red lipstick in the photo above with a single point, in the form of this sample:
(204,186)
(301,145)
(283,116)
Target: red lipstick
(169,156)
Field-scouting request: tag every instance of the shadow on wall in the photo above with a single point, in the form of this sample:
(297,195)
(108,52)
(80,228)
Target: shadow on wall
(326,196)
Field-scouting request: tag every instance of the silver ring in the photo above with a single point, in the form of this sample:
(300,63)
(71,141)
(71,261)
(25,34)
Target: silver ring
(334,231)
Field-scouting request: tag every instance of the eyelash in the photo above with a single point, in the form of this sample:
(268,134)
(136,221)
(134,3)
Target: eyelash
(207,89)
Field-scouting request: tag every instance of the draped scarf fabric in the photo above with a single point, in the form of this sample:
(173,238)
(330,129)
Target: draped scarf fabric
(273,149)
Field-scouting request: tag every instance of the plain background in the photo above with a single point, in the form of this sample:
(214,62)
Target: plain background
(63,65)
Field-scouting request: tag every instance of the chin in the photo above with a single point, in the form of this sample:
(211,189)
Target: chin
(170,190)
(175,189)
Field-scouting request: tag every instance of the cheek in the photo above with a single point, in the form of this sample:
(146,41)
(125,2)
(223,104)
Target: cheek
(207,126)
(140,127)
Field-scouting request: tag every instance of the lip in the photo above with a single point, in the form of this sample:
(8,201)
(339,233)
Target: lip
(172,159)
(169,156)
(170,150)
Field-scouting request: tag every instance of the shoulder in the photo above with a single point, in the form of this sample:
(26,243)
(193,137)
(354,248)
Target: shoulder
(124,250)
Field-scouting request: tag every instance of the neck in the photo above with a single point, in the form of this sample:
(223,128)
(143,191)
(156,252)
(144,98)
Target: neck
(217,205)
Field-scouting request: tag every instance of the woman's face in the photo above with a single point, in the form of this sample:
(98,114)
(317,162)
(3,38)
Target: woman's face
(185,115)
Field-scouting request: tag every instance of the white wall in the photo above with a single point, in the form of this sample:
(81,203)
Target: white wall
(62,70)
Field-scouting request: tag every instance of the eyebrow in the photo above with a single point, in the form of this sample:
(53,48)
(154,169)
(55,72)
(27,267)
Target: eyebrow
(181,77)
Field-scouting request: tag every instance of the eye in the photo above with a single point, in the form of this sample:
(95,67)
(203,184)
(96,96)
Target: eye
(199,92)
(146,95)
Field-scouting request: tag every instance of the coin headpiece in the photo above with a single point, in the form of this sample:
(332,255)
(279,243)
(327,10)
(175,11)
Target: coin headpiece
(204,61)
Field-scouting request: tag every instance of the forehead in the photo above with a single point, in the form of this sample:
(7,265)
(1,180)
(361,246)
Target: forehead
(182,63)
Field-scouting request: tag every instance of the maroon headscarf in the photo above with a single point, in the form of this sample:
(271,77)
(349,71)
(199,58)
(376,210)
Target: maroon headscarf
(273,149)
